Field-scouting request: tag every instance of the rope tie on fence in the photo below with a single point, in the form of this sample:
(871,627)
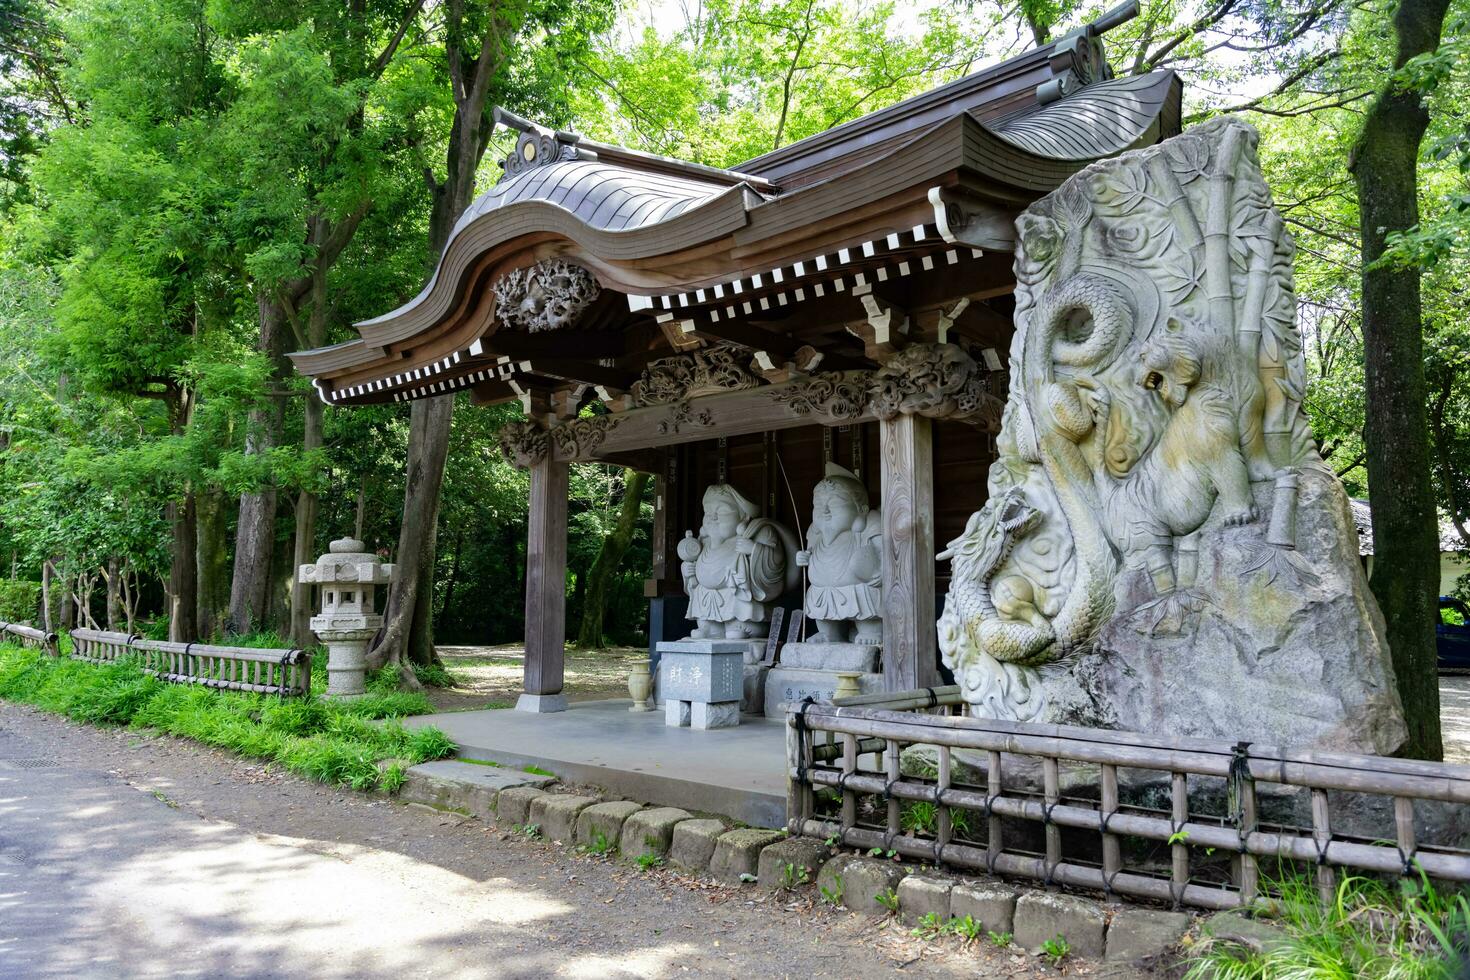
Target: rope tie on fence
(187,654)
(1240,774)
(801,730)
(287,659)
(888,788)
(1323,846)
(1407,859)
(933,698)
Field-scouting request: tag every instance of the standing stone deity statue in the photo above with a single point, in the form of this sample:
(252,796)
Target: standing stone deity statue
(844,558)
(737,568)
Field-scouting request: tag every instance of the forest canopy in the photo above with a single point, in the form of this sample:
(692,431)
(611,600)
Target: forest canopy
(190,189)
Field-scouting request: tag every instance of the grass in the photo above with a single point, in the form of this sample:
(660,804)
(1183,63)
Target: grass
(332,742)
(1407,930)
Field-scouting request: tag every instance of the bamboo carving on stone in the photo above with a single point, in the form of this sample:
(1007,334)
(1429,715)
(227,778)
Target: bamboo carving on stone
(1163,550)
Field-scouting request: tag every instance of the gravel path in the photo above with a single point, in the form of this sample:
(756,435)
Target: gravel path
(136,856)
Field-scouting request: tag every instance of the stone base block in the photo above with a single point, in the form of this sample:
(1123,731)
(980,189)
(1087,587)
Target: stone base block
(541,703)
(738,852)
(791,863)
(605,819)
(703,715)
(1139,934)
(753,701)
(556,815)
(462,786)
(676,714)
(1041,916)
(513,806)
(860,880)
(792,684)
(924,895)
(693,844)
(650,831)
(860,657)
(991,904)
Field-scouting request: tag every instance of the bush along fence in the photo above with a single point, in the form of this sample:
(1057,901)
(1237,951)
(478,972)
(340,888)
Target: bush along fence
(282,672)
(29,636)
(1202,822)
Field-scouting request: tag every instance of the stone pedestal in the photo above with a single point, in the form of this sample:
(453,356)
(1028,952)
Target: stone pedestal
(811,669)
(702,681)
(349,576)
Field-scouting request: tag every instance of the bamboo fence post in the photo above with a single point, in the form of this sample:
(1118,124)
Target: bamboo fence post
(992,793)
(1403,819)
(1322,836)
(1179,838)
(1250,871)
(895,807)
(849,766)
(943,823)
(1052,795)
(1111,849)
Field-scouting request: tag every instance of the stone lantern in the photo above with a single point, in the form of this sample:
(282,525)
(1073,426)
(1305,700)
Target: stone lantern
(348,577)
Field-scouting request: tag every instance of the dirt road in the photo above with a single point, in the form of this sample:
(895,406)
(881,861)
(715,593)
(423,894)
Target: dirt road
(124,855)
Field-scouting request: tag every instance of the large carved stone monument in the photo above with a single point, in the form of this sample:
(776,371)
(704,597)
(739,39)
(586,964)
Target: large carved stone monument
(734,573)
(1163,549)
(844,596)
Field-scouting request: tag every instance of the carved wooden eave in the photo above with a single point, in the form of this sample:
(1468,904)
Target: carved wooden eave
(795,259)
(933,381)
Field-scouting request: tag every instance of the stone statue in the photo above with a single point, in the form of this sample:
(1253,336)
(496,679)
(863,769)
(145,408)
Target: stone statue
(737,568)
(844,560)
(1163,549)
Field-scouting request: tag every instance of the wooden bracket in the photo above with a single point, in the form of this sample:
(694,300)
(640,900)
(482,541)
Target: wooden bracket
(886,329)
(777,370)
(679,333)
(965,221)
(948,317)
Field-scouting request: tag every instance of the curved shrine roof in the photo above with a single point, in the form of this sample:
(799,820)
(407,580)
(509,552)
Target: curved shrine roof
(726,244)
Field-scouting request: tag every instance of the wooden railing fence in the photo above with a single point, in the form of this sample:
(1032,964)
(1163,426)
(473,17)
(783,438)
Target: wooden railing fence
(29,636)
(283,672)
(830,748)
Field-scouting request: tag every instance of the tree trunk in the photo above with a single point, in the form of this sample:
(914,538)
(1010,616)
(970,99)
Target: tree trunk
(114,594)
(609,558)
(305,551)
(213,562)
(47,576)
(67,607)
(255,533)
(1405,526)
(406,635)
(183,571)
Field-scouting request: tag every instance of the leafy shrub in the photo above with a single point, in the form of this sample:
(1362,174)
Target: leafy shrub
(20,601)
(333,742)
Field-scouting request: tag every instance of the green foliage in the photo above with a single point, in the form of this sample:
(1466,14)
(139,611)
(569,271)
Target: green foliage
(531,831)
(328,741)
(1056,949)
(1403,931)
(1000,940)
(793,876)
(888,898)
(832,896)
(965,927)
(20,601)
(600,845)
(648,862)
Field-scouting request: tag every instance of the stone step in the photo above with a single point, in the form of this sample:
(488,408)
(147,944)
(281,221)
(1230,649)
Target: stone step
(466,787)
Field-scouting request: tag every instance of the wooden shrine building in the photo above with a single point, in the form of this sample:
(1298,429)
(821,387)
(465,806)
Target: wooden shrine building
(847,297)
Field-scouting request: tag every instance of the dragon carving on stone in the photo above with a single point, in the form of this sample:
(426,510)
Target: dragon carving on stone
(1156,378)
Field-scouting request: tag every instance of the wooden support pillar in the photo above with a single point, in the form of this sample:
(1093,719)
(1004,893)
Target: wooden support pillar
(546,588)
(909,644)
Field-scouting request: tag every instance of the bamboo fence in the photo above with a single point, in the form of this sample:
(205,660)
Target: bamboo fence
(831,749)
(282,672)
(29,636)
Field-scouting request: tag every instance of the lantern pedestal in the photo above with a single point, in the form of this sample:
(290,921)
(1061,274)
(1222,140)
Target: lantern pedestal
(349,576)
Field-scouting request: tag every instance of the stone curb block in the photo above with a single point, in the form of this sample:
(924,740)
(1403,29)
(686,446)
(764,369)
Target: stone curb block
(800,853)
(738,853)
(557,815)
(1042,916)
(694,843)
(921,895)
(1137,934)
(991,904)
(606,819)
(513,808)
(1236,927)
(650,831)
(863,880)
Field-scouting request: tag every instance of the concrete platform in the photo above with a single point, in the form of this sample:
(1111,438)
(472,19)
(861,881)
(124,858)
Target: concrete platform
(738,772)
